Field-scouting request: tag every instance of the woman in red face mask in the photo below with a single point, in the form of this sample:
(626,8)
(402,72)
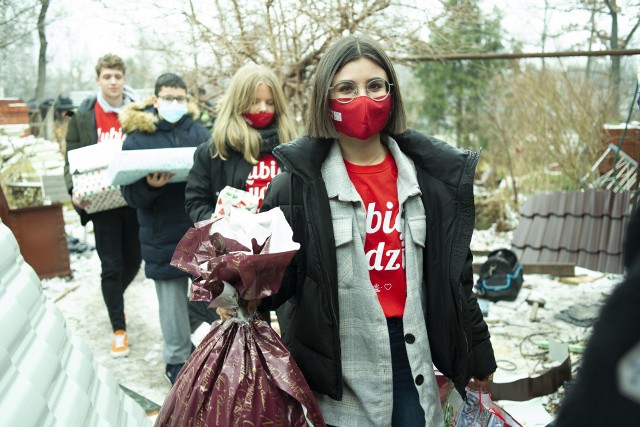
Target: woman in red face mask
(381,289)
(252,119)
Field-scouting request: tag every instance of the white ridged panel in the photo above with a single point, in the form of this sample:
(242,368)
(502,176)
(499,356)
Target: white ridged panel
(70,404)
(82,374)
(49,378)
(15,323)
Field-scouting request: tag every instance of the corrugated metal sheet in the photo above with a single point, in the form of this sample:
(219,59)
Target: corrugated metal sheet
(48,377)
(586,228)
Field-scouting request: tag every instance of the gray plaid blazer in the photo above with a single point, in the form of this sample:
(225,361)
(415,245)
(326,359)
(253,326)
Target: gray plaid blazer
(366,356)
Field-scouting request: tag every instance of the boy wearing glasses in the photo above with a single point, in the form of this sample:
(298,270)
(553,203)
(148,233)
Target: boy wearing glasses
(167,120)
(115,230)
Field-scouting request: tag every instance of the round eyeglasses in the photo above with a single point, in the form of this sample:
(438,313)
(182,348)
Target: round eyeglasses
(346,91)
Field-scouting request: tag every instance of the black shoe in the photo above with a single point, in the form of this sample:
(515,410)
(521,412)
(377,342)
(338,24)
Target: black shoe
(172,371)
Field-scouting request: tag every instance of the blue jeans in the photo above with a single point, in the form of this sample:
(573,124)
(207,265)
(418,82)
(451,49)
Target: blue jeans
(407,411)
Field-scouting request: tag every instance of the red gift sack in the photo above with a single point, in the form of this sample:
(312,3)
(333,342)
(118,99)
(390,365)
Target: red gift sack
(241,374)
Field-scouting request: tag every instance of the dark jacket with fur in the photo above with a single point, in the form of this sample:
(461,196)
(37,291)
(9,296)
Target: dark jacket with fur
(309,320)
(161,214)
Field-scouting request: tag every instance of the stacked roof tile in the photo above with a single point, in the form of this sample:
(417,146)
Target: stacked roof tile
(586,228)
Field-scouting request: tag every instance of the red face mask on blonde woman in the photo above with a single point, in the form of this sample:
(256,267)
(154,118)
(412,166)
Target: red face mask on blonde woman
(258,120)
(263,109)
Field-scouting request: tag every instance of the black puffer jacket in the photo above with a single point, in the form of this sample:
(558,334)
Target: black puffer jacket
(209,176)
(161,214)
(606,392)
(458,335)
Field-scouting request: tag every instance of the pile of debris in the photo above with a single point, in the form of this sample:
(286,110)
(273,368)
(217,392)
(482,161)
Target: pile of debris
(31,171)
(539,336)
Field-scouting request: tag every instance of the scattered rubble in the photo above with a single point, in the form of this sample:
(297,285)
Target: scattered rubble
(23,163)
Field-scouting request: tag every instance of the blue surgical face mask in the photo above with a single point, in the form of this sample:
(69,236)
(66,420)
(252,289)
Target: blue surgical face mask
(172,111)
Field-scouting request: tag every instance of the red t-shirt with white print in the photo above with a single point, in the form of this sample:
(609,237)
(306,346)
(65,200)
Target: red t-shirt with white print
(384,243)
(107,126)
(261,175)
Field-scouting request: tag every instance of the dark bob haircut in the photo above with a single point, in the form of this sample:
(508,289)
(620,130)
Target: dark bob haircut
(345,50)
(169,80)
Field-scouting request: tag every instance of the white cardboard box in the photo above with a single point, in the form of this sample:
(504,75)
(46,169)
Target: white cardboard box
(128,166)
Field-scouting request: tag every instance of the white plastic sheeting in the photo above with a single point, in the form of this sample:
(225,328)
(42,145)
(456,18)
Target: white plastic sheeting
(48,377)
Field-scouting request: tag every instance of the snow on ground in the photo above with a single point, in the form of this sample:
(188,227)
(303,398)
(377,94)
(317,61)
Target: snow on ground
(514,337)
(86,315)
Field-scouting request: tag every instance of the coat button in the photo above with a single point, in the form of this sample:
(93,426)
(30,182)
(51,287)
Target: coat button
(410,338)
(419,380)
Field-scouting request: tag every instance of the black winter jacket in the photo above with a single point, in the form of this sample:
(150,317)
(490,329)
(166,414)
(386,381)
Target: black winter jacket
(458,335)
(161,214)
(209,176)
(81,132)
(610,360)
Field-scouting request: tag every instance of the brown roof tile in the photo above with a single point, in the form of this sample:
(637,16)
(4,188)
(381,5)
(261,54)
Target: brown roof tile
(582,227)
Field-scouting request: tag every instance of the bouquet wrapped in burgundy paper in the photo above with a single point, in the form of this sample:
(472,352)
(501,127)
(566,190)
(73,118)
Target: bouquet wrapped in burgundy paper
(241,373)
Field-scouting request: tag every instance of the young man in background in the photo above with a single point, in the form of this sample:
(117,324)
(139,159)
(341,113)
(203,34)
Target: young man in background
(116,230)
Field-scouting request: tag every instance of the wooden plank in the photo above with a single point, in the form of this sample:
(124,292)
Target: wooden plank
(553,269)
(481,253)
(150,407)
(576,280)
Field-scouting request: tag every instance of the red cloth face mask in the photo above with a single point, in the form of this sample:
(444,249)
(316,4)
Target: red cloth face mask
(258,120)
(361,118)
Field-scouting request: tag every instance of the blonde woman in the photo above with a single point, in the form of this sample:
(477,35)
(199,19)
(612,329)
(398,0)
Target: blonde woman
(252,120)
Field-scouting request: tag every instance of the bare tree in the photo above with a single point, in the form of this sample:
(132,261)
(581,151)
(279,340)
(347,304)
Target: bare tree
(16,27)
(15,17)
(618,41)
(623,20)
(545,28)
(541,118)
(290,37)
(42,55)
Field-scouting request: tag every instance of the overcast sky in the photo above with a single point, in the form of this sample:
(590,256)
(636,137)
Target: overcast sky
(84,30)
(87,25)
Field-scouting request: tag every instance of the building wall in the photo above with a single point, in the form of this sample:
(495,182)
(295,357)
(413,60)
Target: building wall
(630,144)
